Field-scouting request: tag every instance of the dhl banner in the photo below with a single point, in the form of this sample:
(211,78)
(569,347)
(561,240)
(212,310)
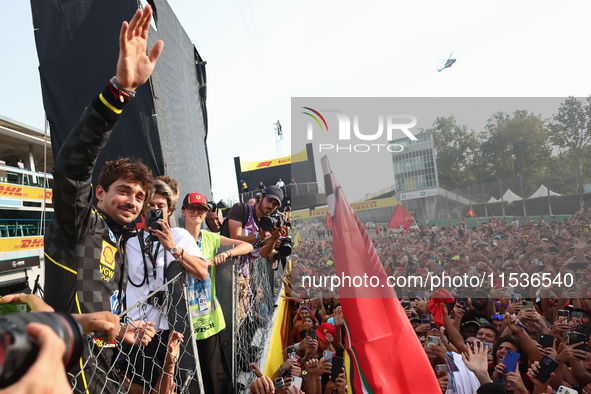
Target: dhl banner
(20,243)
(25,192)
(246,166)
(357,206)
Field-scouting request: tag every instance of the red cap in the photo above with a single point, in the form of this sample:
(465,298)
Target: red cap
(195,198)
(325,328)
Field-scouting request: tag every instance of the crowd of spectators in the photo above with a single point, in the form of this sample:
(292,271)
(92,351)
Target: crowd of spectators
(317,335)
(533,306)
(498,337)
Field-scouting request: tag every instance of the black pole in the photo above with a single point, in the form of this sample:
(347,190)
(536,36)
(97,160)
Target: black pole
(548,187)
(484,196)
(502,199)
(522,195)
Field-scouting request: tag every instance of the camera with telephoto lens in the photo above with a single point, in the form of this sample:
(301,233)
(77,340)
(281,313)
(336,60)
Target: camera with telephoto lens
(276,220)
(18,351)
(285,248)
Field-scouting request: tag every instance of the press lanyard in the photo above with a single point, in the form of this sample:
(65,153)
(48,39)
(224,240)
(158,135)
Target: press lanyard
(153,258)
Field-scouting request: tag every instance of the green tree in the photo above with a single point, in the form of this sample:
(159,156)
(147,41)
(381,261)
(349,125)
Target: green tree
(515,144)
(456,147)
(570,128)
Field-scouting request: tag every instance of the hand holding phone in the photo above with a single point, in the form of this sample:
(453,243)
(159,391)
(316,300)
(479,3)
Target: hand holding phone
(510,361)
(153,216)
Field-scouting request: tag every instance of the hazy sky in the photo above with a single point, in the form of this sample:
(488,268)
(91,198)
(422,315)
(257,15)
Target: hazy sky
(260,54)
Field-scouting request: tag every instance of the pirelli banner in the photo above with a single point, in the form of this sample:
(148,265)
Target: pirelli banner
(299,166)
(24,192)
(357,206)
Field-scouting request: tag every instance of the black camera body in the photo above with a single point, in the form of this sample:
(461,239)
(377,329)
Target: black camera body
(285,248)
(158,299)
(276,220)
(18,351)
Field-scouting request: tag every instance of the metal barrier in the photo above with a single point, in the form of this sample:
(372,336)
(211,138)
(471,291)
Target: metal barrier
(117,367)
(123,368)
(255,298)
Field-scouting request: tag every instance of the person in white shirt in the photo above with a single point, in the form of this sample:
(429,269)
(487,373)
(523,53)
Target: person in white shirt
(148,261)
(280,183)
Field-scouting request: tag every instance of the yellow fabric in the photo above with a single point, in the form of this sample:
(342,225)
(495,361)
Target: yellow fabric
(275,355)
(109,105)
(67,269)
(348,369)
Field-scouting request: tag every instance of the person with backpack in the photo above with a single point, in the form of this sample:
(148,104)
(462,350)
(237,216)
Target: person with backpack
(243,223)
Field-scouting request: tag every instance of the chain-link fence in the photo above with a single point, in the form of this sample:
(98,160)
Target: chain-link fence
(168,362)
(557,191)
(255,300)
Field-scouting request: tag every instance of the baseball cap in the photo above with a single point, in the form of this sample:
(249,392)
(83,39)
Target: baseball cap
(584,311)
(195,198)
(474,322)
(274,192)
(325,328)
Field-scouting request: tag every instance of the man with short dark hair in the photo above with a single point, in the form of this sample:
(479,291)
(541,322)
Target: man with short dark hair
(243,221)
(214,220)
(84,266)
(243,224)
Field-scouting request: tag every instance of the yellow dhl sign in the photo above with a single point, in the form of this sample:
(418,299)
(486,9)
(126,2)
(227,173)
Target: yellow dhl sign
(26,192)
(20,243)
(357,206)
(246,166)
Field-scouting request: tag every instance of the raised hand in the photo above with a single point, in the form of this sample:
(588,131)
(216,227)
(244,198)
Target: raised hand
(134,66)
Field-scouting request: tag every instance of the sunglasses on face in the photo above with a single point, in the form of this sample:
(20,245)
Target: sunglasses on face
(198,208)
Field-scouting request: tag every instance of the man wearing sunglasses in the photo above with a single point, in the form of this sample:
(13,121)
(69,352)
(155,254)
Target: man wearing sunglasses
(497,321)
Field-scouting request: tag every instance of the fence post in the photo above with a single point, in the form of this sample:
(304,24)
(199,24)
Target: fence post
(580,188)
(522,195)
(484,196)
(447,203)
(548,187)
(470,196)
(458,201)
(502,199)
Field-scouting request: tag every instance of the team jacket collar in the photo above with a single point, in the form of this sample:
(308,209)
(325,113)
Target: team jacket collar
(116,228)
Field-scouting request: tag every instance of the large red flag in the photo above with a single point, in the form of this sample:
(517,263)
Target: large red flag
(387,356)
(401,217)
(328,222)
(471,212)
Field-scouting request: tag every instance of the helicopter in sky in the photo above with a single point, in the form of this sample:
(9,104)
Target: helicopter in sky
(448,63)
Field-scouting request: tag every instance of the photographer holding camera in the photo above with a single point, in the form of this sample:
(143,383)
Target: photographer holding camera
(149,254)
(43,340)
(243,223)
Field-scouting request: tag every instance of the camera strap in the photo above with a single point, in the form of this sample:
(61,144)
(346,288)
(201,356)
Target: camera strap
(148,250)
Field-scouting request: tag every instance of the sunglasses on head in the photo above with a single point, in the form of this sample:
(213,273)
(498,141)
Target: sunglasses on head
(497,316)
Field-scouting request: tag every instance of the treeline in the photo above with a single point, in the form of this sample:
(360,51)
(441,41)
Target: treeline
(518,143)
